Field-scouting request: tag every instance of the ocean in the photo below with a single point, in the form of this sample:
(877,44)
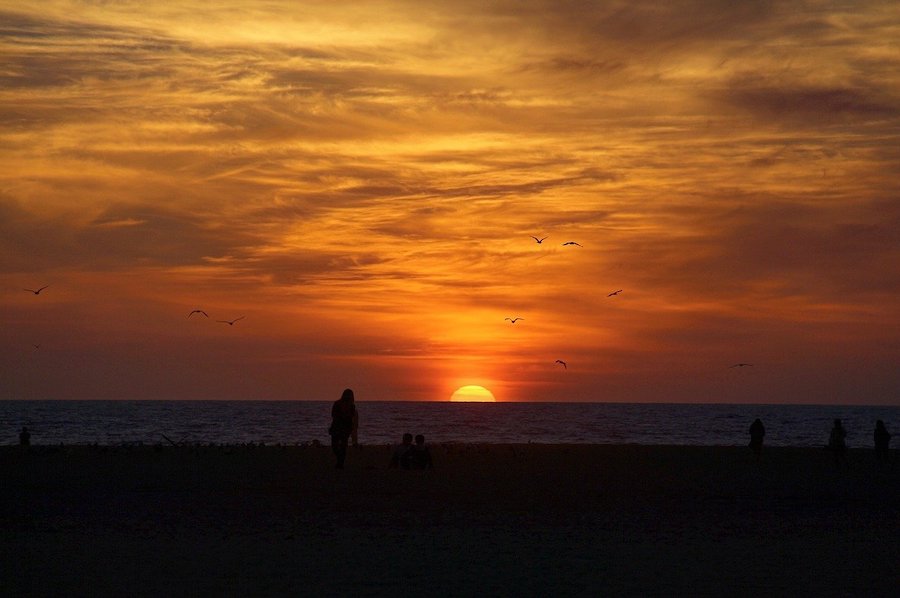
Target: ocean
(299,422)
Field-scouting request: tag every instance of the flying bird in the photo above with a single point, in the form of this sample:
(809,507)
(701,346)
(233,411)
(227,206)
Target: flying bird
(514,320)
(37,292)
(562,362)
(740,365)
(231,322)
(573,243)
(199,311)
(538,241)
(614,293)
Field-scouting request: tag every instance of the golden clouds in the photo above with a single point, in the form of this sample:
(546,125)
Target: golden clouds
(366,178)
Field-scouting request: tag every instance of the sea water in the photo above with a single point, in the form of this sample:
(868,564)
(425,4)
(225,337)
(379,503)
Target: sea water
(298,422)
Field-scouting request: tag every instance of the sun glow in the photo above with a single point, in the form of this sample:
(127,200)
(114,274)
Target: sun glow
(472,393)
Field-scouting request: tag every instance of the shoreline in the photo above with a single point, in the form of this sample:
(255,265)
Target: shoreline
(514,519)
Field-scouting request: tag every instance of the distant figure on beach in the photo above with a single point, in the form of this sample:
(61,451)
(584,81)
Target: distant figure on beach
(400,456)
(344,421)
(420,456)
(24,437)
(757,433)
(837,441)
(882,443)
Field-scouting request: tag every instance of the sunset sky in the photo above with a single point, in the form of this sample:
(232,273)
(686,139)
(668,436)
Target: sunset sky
(361,181)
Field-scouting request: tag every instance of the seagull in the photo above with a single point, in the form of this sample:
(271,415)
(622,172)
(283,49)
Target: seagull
(514,320)
(538,241)
(739,365)
(37,292)
(231,322)
(562,362)
(200,311)
(614,293)
(36,346)
(573,243)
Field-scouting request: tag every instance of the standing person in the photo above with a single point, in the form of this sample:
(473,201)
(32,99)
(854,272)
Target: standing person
(757,433)
(344,421)
(882,443)
(837,441)
(24,437)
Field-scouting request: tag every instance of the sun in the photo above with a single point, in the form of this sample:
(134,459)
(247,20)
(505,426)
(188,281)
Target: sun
(472,393)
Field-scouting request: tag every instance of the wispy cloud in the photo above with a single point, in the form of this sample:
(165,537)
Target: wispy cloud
(365,183)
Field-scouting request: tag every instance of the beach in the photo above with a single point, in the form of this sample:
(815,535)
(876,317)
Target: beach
(495,519)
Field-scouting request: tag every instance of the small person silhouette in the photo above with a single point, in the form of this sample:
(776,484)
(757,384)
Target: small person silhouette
(757,433)
(882,443)
(401,454)
(420,456)
(837,441)
(343,425)
(24,437)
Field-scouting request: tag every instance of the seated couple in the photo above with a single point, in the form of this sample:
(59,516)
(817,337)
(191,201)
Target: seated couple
(412,456)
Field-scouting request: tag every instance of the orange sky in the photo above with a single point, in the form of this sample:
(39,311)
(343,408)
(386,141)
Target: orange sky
(361,182)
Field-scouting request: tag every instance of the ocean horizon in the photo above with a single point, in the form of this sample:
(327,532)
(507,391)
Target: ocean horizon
(125,422)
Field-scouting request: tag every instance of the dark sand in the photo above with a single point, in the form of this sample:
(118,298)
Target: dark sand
(489,520)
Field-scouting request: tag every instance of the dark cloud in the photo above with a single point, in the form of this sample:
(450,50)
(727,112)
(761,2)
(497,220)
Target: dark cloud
(121,237)
(41,53)
(825,252)
(313,266)
(14,25)
(578,65)
(158,237)
(810,103)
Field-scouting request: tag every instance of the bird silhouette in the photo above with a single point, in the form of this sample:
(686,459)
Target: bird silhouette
(37,292)
(740,365)
(200,311)
(573,243)
(231,322)
(562,362)
(538,241)
(614,293)
(514,320)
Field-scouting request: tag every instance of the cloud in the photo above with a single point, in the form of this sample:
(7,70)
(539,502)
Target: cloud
(809,103)
(731,166)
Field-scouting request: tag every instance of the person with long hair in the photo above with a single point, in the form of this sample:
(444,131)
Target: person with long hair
(344,422)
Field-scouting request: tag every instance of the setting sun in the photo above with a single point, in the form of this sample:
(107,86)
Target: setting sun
(409,200)
(472,394)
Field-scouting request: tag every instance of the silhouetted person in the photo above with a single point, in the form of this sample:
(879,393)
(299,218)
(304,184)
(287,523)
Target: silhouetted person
(400,456)
(837,441)
(24,438)
(420,456)
(343,422)
(882,443)
(757,433)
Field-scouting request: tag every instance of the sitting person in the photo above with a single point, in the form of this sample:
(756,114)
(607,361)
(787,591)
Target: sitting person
(401,455)
(420,456)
